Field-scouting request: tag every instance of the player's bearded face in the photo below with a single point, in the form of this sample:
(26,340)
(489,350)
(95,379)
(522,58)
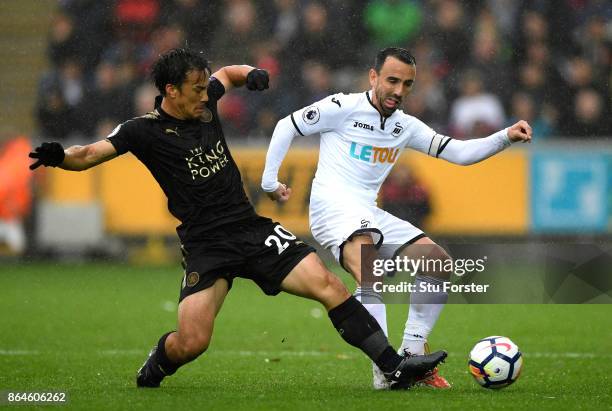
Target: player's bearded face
(193,95)
(391,84)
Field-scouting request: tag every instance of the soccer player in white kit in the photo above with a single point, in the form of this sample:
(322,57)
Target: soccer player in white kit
(362,136)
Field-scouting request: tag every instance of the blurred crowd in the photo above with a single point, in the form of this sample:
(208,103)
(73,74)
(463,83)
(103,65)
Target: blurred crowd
(481,64)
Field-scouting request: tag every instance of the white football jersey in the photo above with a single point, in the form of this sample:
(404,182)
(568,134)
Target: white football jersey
(359,146)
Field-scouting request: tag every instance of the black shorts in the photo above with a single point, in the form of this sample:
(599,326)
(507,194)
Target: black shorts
(258,249)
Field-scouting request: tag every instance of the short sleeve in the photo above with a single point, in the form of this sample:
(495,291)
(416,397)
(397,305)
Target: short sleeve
(216,90)
(125,138)
(321,116)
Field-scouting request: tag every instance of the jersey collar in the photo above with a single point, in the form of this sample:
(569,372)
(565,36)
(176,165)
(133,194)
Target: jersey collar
(383,119)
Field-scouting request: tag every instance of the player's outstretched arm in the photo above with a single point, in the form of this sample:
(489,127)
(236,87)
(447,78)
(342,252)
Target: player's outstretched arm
(283,135)
(238,76)
(75,158)
(324,115)
(473,151)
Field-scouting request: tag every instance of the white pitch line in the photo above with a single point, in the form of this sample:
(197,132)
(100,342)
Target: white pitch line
(19,352)
(565,355)
(122,352)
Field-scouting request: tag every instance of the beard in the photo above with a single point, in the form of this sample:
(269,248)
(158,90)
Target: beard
(387,111)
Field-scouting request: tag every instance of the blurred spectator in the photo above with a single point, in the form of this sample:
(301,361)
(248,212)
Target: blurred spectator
(486,56)
(136,18)
(590,117)
(287,21)
(198,18)
(240,29)
(476,113)
(104,127)
(315,41)
(542,121)
(506,14)
(55,117)
(595,40)
(532,79)
(427,101)
(392,22)
(15,192)
(405,197)
(59,95)
(539,53)
(233,108)
(63,43)
(144,99)
(108,96)
(317,80)
(448,34)
(92,29)
(163,38)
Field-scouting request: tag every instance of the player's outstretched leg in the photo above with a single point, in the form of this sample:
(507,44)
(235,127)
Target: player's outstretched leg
(425,307)
(196,317)
(372,301)
(311,279)
(156,367)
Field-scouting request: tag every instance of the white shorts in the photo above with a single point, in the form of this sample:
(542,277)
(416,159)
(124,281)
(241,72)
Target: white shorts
(332,225)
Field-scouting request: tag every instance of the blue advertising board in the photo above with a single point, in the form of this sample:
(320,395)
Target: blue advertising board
(570,191)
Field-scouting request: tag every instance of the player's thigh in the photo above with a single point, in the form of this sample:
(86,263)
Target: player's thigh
(353,254)
(398,233)
(310,278)
(197,312)
(434,256)
(333,226)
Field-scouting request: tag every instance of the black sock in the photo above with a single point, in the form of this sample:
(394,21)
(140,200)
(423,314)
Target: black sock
(168,367)
(358,328)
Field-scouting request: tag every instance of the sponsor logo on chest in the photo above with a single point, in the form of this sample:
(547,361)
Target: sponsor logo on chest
(357,124)
(205,163)
(373,154)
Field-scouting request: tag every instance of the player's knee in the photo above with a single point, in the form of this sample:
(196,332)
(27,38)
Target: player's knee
(438,253)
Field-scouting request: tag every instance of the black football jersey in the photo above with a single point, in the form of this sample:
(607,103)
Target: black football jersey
(192,164)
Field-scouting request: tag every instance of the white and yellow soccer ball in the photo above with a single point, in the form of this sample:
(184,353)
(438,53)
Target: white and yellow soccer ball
(495,362)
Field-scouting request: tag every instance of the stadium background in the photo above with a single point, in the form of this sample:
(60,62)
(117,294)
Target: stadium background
(73,69)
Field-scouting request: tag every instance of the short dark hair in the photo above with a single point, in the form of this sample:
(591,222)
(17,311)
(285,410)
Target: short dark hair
(172,67)
(399,53)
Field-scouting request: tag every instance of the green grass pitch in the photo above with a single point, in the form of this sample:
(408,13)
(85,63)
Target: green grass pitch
(86,329)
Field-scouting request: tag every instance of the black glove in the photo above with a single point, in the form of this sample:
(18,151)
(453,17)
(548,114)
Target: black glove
(257,79)
(48,154)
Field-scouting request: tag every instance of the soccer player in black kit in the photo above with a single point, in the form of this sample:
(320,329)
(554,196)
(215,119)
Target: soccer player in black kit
(182,144)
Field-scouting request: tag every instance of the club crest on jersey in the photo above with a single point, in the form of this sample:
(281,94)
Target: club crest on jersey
(311,115)
(207,116)
(397,130)
(192,279)
(373,154)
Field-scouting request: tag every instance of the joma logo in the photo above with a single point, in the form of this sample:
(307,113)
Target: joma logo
(357,124)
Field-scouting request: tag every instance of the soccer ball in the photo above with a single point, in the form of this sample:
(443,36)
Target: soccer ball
(495,362)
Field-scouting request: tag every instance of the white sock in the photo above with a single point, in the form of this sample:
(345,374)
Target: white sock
(424,311)
(372,302)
